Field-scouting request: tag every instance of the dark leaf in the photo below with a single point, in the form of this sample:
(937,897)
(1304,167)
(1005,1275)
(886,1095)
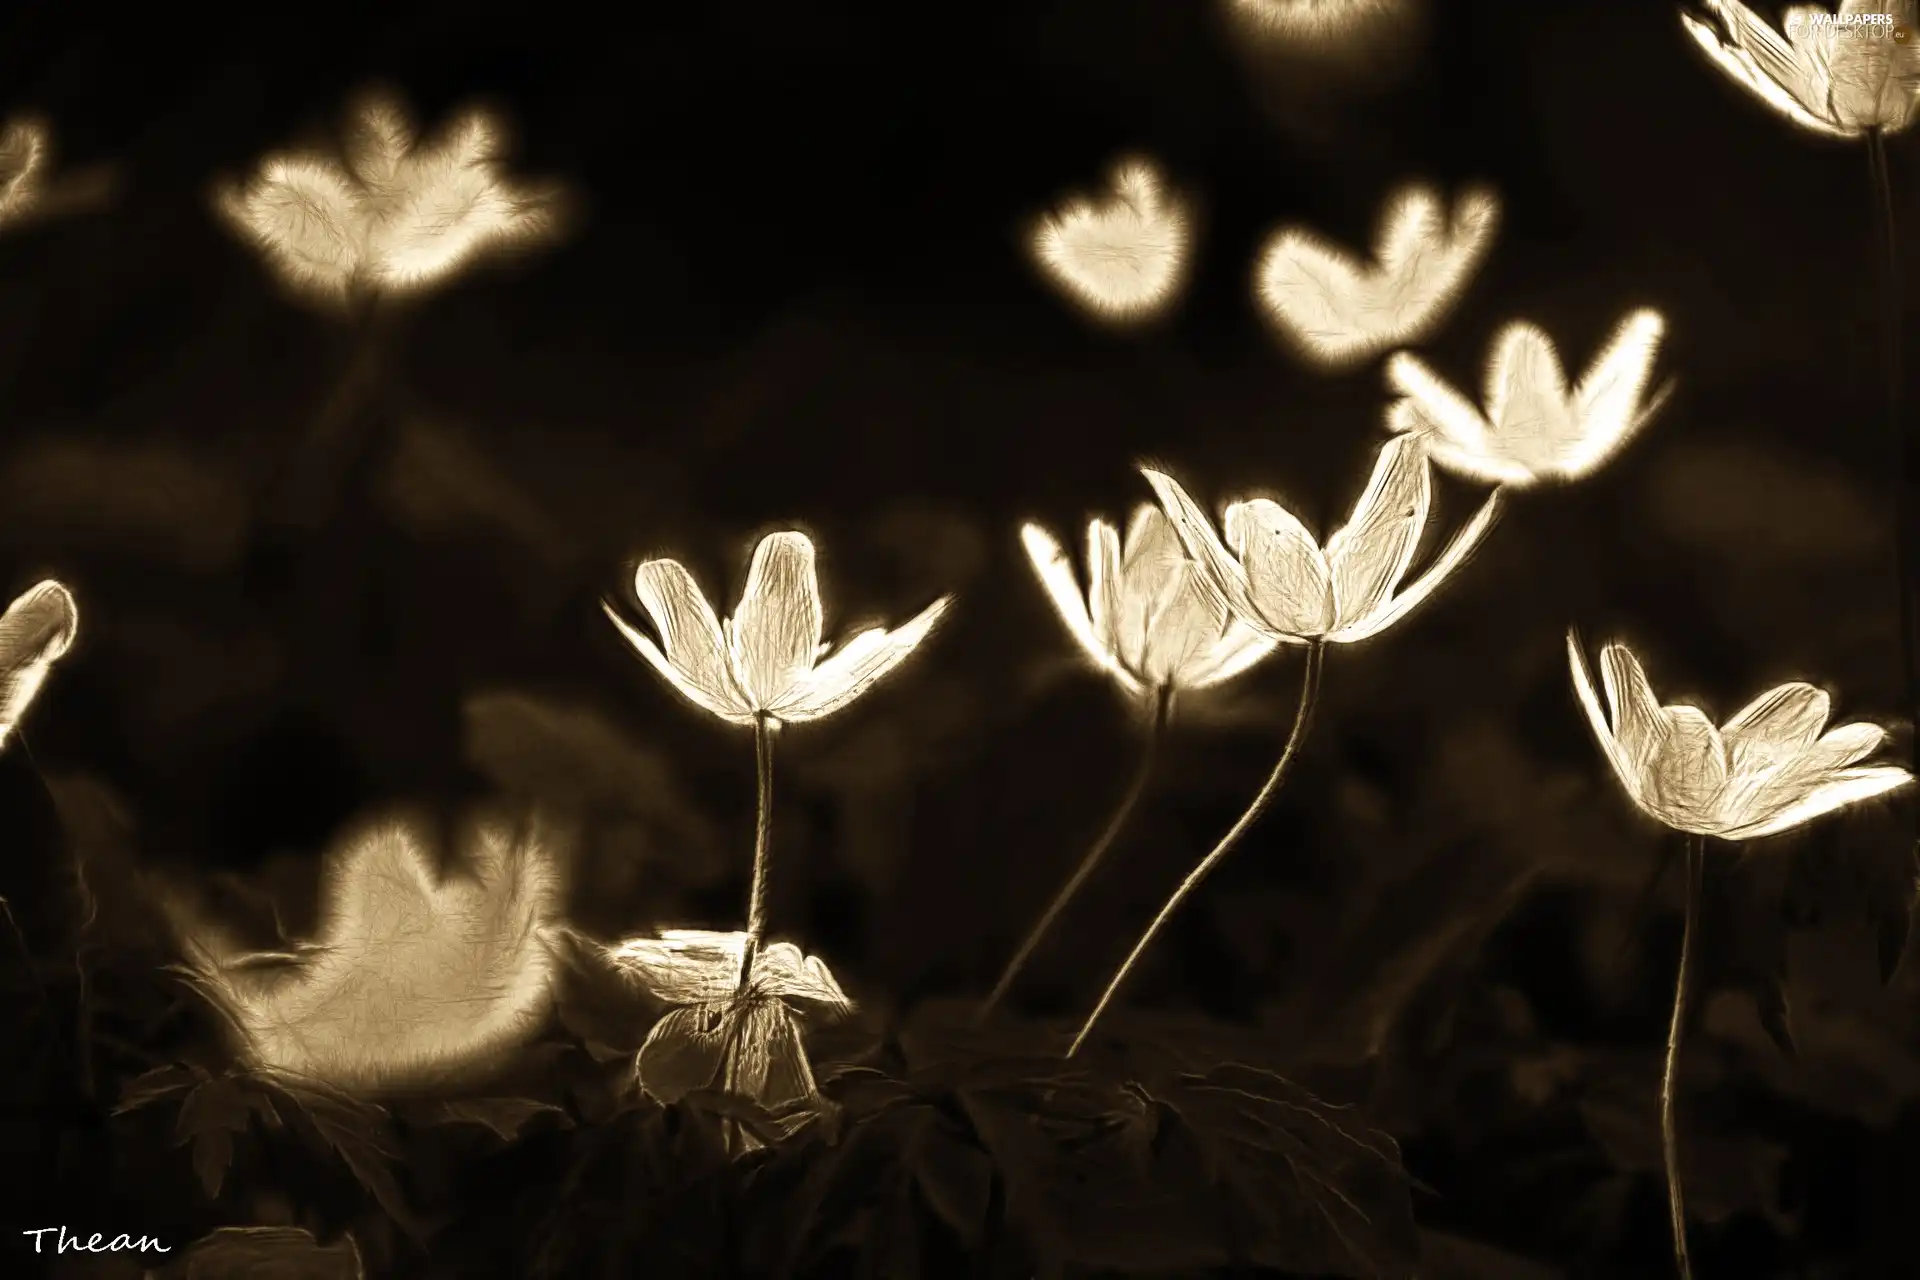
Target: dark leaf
(161,1082)
(505,1116)
(954,1175)
(359,1135)
(212,1116)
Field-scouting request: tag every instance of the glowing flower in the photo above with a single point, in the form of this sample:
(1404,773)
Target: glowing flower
(1338,310)
(23,163)
(1285,585)
(1534,428)
(414,977)
(400,217)
(718,1038)
(1123,258)
(1321,23)
(768,658)
(1767,770)
(1146,617)
(35,632)
(1835,78)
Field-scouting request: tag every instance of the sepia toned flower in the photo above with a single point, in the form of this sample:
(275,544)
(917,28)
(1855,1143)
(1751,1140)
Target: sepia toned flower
(1146,616)
(23,165)
(1322,24)
(1534,429)
(1338,310)
(35,632)
(415,976)
(1767,770)
(400,216)
(1838,78)
(768,659)
(1121,258)
(1280,581)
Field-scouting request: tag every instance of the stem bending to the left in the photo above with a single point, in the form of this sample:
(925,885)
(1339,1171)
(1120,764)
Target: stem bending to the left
(1669,1079)
(1303,716)
(764,726)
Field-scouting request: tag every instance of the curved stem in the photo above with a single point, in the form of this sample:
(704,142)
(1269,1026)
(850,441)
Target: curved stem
(1669,1080)
(764,726)
(1163,707)
(1906,475)
(1309,693)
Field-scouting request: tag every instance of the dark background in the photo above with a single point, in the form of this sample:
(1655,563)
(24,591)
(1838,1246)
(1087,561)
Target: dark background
(794,293)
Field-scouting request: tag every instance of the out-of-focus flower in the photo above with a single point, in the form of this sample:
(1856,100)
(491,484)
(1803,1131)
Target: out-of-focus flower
(768,658)
(1767,770)
(35,632)
(1534,428)
(400,216)
(1321,24)
(718,1038)
(1337,310)
(1146,617)
(1275,577)
(1839,78)
(415,976)
(23,163)
(1122,258)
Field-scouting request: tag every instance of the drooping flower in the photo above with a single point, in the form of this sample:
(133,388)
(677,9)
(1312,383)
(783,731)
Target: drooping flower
(401,216)
(1534,427)
(768,658)
(35,632)
(716,1037)
(1121,258)
(1838,78)
(1767,770)
(1338,310)
(415,976)
(1279,580)
(1146,616)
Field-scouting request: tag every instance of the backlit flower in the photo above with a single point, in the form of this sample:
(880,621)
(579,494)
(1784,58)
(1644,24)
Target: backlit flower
(1278,579)
(1121,258)
(1768,769)
(1835,78)
(1146,616)
(1338,310)
(400,216)
(23,163)
(36,630)
(768,658)
(1534,427)
(1323,24)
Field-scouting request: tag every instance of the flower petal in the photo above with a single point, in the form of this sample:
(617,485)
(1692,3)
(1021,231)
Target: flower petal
(776,630)
(1757,58)
(1220,570)
(305,216)
(1840,789)
(35,632)
(1050,562)
(1611,397)
(1239,649)
(684,966)
(1288,578)
(1631,777)
(862,660)
(1461,448)
(781,969)
(1688,771)
(1444,566)
(694,661)
(1776,726)
(1639,724)
(1153,571)
(1372,552)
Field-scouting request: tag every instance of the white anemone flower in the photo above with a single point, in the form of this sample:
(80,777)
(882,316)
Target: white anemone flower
(1322,25)
(1338,310)
(1837,78)
(1146,617)
(1534,427)
(768,659)
(1278,579)
(23,165)
(35,632)
(1121,258)
(401,216)
(1767,770)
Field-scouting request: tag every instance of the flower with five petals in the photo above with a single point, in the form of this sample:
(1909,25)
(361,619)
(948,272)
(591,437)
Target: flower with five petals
(768,658)
(1767,770)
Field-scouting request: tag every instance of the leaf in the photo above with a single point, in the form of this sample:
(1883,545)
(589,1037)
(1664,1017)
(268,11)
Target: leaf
(505,1116)
(954,1175)
(357,1133)
(212,1116)
(255,1253)
(161,1082)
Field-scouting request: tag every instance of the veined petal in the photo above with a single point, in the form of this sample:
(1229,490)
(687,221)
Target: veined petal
(1153,569)
(1776,726)
(1444,566)
(306,216)
(1239,649)
(1288,577)
(1528,405)
(694,661)
(1056,575)
(1221,571)
(1610,398)
(1370,555)
(1639,725)
(1103,584)
(1689,771)
(862,660)
(1845,787)
(782,969)
(684,966)
(776,630)
(1741,65)
(35,632)
(1631,778)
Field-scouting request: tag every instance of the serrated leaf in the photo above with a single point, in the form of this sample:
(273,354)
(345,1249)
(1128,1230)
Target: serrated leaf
(161,1082)
(357,1134)
(212,1116)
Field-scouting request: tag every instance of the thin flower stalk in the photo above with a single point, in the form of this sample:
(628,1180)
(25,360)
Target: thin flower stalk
(1676,1031)
(764,728)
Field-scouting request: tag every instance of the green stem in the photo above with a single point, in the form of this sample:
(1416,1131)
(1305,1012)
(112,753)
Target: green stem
(1309,693)
(1143,773)
(764,727)
(1670,1078)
